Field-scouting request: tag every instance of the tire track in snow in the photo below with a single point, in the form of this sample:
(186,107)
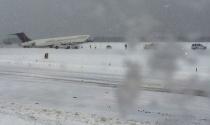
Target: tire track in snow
(76,80)
(84,79)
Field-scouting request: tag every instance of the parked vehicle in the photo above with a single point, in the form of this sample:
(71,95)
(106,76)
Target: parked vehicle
(198,46)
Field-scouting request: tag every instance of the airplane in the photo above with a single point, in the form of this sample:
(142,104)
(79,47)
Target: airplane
(66,42)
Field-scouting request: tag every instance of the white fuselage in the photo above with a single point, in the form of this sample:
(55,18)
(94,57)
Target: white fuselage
(53,42)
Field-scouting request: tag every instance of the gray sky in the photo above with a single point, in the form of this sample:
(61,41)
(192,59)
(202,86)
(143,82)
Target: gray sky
(51,18)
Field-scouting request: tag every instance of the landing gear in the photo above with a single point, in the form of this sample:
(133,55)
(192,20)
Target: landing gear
(68,47)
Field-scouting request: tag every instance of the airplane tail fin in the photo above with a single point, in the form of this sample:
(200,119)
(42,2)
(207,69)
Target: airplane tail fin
(22,36)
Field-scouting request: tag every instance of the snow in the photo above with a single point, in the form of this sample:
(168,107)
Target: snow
(78,87)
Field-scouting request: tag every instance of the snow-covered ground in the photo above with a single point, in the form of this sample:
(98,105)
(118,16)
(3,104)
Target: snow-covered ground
(43,101)
(78,87)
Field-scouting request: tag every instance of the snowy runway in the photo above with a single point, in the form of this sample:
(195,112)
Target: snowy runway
(27,97)
(75,90)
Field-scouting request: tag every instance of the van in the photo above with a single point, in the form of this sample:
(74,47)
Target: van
(198,46)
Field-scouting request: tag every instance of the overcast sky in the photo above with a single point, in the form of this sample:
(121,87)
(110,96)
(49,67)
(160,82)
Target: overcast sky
(51,18)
